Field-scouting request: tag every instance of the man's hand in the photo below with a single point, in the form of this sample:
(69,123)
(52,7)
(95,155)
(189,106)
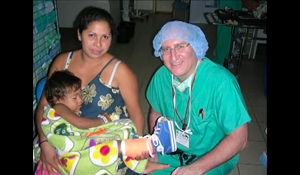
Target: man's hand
(48,159)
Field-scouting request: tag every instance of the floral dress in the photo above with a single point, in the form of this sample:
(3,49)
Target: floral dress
(99,98)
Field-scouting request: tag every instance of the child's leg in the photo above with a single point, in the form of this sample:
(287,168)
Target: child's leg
(135,147)
(161,141)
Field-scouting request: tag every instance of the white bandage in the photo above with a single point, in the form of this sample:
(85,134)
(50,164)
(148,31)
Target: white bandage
(123,148)
(103,118)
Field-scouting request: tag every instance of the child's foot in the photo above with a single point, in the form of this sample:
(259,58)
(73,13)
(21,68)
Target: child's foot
(163,138)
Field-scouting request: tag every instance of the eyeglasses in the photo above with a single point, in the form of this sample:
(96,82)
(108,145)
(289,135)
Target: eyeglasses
(178,49)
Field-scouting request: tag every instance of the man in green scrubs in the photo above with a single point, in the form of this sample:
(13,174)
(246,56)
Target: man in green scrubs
(202,98)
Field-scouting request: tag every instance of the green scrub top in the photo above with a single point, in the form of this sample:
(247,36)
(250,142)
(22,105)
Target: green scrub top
(217,94)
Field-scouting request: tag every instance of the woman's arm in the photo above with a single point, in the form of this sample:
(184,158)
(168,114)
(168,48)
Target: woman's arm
(49,158)
(129,90)
(75,120)
(58,64)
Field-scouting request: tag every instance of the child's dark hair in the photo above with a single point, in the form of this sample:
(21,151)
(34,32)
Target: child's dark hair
(90,14)
(60,83)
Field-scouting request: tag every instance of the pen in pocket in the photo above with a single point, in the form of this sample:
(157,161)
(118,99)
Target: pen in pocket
(201,112)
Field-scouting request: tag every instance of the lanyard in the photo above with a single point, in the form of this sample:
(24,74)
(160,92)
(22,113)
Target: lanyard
(188,106)
(184,126)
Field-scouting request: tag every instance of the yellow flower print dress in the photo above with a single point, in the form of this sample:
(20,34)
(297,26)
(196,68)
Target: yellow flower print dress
(100,97)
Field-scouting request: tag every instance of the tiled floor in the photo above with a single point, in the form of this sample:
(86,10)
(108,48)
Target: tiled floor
(138,54)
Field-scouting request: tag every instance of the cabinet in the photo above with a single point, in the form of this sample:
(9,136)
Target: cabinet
(255,37)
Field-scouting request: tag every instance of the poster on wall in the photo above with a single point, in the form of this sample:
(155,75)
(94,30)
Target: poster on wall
(211,3)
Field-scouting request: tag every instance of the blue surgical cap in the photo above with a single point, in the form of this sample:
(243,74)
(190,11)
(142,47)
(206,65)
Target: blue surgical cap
(183,31)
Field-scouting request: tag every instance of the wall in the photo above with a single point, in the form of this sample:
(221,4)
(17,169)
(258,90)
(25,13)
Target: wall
(164,5)
(46,40)
(115,10)
(199,7)
(144,4)
(68,9)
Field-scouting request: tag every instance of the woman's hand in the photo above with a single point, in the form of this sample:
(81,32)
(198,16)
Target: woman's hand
(48,159)
(142,156)
(154,158)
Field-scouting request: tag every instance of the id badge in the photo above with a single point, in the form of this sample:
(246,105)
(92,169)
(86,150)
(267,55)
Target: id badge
(183,138)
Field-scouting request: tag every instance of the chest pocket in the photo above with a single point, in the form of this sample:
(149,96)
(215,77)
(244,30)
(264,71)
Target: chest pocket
(203,126)
(202,120)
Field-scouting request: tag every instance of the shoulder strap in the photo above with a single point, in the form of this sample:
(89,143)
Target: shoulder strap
(68,60)
(113,72)
(106,65)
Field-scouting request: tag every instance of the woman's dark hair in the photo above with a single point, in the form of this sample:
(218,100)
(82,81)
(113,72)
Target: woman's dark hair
(91,14)
(60,83)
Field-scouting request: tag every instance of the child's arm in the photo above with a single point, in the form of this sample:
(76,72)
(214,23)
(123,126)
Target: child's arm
(79,122)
